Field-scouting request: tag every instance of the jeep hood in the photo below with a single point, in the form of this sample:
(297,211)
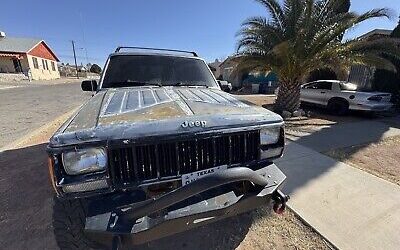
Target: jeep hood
(128,113)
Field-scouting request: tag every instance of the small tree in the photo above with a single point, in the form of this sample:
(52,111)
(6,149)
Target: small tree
(95,69)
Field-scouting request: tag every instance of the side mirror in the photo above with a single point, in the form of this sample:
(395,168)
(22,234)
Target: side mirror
(89,85)
(225,86)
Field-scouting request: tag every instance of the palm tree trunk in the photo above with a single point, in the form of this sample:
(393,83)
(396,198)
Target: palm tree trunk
(288,97)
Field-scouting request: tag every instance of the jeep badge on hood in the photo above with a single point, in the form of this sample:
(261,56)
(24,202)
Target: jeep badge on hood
(192,124)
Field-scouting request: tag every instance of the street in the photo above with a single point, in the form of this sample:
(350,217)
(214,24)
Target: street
(24,109)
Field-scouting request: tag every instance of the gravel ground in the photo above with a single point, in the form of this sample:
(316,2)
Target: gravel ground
(381,159)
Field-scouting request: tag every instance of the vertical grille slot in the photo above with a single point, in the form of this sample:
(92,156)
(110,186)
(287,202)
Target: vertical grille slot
(140,163)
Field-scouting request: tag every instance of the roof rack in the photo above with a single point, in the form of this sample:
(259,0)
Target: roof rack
(118,49)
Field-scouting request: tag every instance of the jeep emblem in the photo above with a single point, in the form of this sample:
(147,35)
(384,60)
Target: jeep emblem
(192,124)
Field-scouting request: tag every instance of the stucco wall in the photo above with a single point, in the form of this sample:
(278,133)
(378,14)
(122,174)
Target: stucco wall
(42,73)
(12,77)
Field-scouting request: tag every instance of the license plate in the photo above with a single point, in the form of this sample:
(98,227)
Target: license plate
(188,178)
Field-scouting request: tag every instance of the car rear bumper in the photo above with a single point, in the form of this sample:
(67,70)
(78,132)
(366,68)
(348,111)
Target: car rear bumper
(142,222)
(372,106)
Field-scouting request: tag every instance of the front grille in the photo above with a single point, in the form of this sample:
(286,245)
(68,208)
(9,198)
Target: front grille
(143,163)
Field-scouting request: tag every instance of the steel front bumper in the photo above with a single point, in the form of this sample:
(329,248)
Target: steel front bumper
(142,222)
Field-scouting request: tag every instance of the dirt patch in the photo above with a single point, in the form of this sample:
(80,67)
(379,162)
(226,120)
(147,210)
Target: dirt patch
(256,230)
(271,231)
(380,159)
(259,100)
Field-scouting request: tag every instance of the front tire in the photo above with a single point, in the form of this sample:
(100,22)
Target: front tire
(338,107)
(69,222)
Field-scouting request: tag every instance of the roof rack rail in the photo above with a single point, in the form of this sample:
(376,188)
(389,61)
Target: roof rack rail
(118,49)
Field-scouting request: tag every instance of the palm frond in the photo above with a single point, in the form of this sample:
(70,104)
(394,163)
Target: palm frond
(275,11)
(335,30)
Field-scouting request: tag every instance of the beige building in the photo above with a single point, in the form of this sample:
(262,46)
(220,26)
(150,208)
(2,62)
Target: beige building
(30,57)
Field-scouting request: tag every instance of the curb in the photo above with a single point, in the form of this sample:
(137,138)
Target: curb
(34,137)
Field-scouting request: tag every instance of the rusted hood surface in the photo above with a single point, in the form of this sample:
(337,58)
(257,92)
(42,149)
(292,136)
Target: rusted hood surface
(133,112)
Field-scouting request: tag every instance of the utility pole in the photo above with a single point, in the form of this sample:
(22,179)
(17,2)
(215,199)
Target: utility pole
(76,65)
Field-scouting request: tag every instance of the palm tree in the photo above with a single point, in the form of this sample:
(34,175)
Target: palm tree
(396,31)
(304,35)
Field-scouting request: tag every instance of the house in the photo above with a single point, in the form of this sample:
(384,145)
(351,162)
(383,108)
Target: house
(26,56)
(254,81)
(216,69)
(363,75)
(376,33)
(229,73)
(67,70)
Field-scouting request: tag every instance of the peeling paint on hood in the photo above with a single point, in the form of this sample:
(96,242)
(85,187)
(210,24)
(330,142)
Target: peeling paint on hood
(151,111)
(130,100)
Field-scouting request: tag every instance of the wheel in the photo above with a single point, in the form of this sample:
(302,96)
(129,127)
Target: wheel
(338,106)
(69,223)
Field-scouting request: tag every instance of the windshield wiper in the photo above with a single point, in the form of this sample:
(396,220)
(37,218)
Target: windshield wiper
(128,83)
(189,84)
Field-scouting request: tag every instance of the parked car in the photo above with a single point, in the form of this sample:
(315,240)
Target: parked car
(225,85)
(340,96)
(159,149)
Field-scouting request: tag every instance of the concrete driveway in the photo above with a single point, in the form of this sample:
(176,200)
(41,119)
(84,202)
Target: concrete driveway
(347,134)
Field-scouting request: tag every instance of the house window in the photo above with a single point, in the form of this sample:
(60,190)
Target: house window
(53,66)
(43,64)
(47,66)
(35,62)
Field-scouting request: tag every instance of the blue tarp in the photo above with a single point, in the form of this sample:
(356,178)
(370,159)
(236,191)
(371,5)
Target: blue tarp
(261,79)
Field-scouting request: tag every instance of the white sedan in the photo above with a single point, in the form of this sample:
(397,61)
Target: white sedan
(339,97)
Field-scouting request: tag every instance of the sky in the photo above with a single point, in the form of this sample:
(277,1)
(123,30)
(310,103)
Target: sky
(98,27)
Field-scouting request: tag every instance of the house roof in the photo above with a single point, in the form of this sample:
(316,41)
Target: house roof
(215,64)
(17,45)
(381,32)
(227,60)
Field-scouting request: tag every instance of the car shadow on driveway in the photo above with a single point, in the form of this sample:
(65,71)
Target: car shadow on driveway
(26,199)
(25,216)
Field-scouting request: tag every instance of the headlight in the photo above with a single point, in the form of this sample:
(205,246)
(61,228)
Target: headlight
(269,135)
(85,161)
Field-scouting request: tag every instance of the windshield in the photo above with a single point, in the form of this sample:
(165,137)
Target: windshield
(348,86)
(140,70)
